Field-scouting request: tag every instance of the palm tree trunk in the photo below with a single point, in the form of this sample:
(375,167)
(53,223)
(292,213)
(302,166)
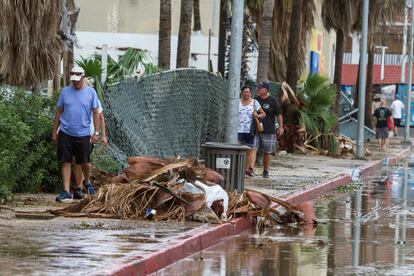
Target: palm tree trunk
(197,19)
(264,41)
(184,34)
(368,92)
(164,37)
(222,38)
(339,56)
(292,74)
(68,55)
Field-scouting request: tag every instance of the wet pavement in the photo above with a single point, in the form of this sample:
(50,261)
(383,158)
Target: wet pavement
(292,172)
(79,246)
(369,231)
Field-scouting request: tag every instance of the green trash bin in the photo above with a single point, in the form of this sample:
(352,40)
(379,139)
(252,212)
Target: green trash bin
(228,160)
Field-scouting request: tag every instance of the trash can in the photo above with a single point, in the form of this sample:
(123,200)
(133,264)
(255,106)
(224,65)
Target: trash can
(228,160)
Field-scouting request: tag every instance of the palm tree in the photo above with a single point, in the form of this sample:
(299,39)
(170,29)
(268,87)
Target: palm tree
(197,19)
(292,74)
(164,38)
(282,14)
(264,40)
(184,34)
(30,45)
(340,16)
(222,37)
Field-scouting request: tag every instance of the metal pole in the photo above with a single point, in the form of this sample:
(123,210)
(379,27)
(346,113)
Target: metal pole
(362,80)
(104,63)
(404,43)
(209,50)
(234,70)
(356,228)
(410,79)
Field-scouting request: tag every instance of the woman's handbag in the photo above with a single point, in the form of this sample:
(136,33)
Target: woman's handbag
(258,125)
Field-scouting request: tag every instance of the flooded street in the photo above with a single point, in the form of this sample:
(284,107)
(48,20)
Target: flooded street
(79,247)
(367,231)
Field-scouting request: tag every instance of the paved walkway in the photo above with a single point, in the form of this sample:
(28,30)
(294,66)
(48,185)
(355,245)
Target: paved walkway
(292,172)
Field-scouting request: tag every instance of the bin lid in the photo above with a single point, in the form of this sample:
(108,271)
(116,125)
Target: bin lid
(219,145)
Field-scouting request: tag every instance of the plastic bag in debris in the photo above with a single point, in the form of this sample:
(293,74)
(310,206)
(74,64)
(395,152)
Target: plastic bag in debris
(214,193)
(190,188)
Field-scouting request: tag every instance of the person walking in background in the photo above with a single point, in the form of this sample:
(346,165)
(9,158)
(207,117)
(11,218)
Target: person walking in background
(73,116)
(248,109)
(268,140)
(375,104)
(396,107)
(104,142)
(382,114)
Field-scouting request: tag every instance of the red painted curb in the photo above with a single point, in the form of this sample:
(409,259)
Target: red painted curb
(318,190)
(179,248)
(196,240)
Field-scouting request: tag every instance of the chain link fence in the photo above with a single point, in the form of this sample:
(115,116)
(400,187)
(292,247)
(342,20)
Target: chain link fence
(166,114)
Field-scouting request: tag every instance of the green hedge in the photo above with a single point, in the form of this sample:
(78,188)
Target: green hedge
(28,162)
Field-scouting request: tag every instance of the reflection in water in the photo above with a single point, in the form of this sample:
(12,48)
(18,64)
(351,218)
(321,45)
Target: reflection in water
(368,232)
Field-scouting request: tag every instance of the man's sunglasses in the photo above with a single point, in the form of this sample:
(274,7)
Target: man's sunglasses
(76,73)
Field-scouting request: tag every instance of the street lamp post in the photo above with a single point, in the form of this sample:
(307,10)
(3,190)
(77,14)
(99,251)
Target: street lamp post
(383,48)
(410,79)
(363,80)
(404,44)
(234,70)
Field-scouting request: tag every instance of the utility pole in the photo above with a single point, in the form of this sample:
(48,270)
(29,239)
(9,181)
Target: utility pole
(234,70)
(410,79)
(404,43)
(363,80)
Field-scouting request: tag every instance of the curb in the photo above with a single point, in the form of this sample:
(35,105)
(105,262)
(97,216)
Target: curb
(197,240)
(180,248)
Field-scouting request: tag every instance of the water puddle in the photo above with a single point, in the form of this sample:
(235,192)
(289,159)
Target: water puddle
(79,246)
(368,230)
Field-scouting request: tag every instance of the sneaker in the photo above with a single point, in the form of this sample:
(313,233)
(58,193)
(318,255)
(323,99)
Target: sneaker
(90,189)
(64,197)
(265,174)
(77,193)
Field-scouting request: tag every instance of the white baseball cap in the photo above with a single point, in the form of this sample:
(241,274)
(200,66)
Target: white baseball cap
(76,73)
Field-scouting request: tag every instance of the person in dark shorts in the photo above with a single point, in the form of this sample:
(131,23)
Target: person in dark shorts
(77,169)
(268,139)
(73,118)
(248,109)
(397,107)
(381,115)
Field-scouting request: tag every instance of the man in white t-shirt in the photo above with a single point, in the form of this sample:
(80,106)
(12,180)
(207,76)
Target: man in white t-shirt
(396,107)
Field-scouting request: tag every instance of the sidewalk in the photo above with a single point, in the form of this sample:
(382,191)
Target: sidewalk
(116,247)
(294,172)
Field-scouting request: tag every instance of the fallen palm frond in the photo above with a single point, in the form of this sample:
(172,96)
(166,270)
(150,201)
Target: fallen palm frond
(176,191)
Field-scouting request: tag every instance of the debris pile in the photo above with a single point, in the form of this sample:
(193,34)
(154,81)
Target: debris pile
(170,189)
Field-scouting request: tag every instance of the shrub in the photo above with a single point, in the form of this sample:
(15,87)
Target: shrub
(25,128)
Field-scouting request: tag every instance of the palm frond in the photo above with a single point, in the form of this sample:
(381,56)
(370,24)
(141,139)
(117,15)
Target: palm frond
(318,95)
(309,123)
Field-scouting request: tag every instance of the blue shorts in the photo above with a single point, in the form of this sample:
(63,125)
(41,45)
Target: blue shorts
(246,139)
